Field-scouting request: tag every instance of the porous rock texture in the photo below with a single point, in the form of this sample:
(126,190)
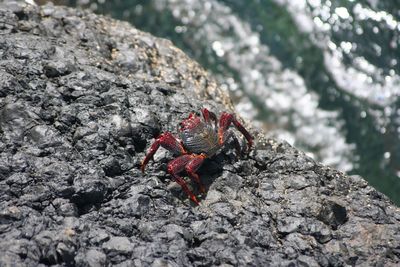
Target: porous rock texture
(81,99)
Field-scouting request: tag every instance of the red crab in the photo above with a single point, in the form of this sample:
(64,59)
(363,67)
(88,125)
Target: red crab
(199,139)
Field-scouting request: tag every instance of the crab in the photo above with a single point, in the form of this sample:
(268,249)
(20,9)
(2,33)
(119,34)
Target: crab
(199,138)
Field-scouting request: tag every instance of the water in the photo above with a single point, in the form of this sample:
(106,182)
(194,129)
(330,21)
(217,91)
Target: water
(322,75)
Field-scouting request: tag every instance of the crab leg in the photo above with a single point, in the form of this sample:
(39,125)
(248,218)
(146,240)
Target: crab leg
(193,166)
(225,121)
(167,141)
(175,167)
(207,115)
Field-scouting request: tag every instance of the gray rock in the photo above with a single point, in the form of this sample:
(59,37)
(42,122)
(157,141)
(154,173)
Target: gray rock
(81,99)
(332,214)
(288,225)
(118,244)
(92,258)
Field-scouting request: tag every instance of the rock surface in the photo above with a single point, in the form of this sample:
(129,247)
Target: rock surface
(82,97)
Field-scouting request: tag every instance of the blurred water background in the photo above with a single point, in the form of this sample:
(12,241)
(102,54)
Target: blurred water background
(322,75)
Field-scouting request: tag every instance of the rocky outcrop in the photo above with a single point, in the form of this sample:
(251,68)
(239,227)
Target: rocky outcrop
(81,98)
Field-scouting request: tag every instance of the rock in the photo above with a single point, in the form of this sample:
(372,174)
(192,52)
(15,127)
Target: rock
(91,258)
(118,244)
(299,182)
(56,68)
(307,261)
(288,225)
(89,189)
(332,214)
(82,97)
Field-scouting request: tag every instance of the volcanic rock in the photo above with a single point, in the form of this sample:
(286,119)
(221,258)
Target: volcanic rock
(81,99)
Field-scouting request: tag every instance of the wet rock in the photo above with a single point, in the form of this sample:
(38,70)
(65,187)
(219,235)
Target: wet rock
(81,99)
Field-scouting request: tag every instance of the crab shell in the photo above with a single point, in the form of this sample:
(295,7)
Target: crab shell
(199,137)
